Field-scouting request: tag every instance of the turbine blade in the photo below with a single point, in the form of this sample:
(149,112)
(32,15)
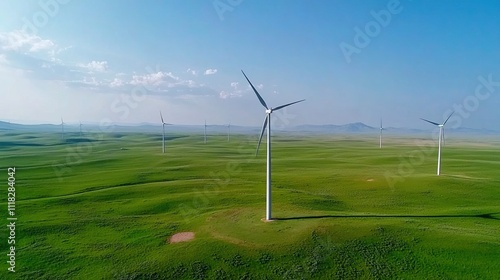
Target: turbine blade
(161,116)
(283,106)
(448,118)
(258,95)
(262,133)
(430,122)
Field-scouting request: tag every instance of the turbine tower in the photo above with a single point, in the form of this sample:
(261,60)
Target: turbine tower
(81,134)
(381,128)
(228,131)
(163,124)
(205,133)
(62,129)
(441,136)
(267,122)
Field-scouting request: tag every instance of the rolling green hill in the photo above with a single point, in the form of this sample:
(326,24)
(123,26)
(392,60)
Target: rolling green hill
(104,207)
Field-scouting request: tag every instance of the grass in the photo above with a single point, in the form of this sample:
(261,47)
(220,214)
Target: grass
(103,207)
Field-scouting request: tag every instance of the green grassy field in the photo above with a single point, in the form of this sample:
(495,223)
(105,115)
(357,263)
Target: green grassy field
(104,206)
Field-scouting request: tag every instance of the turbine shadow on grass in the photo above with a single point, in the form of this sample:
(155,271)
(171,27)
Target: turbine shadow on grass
(489,216)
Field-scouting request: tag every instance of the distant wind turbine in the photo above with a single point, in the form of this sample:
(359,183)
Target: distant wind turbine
(267,122)
(62,129)
(81,134)
(163,124)
(381,128)
(441,136)
(205,133)
(228,131)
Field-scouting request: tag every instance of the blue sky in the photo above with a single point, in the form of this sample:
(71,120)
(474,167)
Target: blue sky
(124,61)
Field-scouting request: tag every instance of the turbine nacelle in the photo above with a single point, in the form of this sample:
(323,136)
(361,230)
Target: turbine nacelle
(269,111)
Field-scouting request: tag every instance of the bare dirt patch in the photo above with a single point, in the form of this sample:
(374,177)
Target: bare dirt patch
(181,237)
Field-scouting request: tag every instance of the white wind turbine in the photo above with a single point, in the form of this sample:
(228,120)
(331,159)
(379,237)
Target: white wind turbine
(81,134)
(228,131)
(205,133)
(267,122)
(163,124)
(441,136)
(381,128)
(62,129)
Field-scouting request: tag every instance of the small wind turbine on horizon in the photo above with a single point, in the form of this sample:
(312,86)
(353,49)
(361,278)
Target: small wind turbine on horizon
(81,134)
(163,124)
(205,133)
(441,136)
(381,128)
(228,131)
(62,129)
(267,122)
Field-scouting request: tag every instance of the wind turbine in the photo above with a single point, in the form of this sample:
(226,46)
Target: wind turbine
(205,133)
(81,134)
(228,131)
(441,136)
(381,128)
(163,124)
(267,122)
(62,129)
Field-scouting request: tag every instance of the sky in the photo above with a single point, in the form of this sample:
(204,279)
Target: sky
(353,61)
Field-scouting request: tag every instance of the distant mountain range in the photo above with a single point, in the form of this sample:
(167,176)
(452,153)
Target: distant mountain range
(351,128)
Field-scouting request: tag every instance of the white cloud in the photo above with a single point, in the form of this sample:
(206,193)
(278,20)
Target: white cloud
(117,83)
(193,72)
(30,52)
(210,71)
(235,91)
(148,79)
(170,75)
(260,86)
(91,81)
(95,66)
(162,81)
(19,40)
(224,94)
(188,83)
(3,59)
